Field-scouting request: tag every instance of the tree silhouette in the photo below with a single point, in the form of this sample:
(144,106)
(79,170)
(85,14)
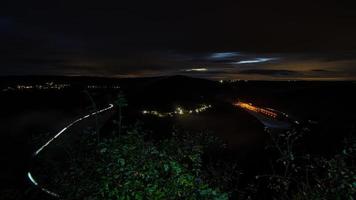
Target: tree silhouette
(120,102)
(95,108)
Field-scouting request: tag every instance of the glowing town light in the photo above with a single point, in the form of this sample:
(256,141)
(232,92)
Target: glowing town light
(177,111)
(46,86)
(196,70)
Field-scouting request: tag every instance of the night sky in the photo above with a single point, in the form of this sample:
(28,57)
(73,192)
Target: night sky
(269,40)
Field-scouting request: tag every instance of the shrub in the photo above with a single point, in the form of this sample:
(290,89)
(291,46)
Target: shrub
(128,167)
(300,176)
(331,178)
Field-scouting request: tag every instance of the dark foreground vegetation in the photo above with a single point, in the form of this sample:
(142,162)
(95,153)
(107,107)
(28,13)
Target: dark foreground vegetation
(159,159)
(130,167)
(128,163)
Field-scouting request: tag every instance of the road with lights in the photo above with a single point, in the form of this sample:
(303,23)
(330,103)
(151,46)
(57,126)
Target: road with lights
(270,118)
(43,147)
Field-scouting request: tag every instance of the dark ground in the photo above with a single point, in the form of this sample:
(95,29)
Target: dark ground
(32,114)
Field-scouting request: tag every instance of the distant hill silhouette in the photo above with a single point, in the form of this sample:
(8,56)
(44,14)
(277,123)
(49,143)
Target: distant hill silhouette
(174,90)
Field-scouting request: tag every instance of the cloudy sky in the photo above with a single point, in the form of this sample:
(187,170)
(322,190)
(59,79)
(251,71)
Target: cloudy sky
(271,40)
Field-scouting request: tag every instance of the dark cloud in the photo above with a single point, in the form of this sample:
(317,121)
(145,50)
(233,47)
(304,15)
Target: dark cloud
(126,38)
(321,70)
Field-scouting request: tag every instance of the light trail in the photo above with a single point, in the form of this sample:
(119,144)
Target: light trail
(263,111)
(268,116)
(29,175)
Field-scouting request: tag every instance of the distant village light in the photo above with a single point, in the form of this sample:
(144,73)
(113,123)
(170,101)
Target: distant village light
(177,111)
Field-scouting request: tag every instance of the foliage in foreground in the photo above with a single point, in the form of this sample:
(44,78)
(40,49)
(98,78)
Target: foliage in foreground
(301,176)
(128,167)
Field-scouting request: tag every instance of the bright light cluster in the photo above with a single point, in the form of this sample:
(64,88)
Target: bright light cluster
(232,81)
(250,107)
(103,87)
(46,86)
(178,111)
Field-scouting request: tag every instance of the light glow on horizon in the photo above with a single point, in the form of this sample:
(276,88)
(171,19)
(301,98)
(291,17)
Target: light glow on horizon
(196,70)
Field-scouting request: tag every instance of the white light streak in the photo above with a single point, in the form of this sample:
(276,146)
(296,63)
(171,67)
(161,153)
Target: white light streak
(68,126)
(29,175)
(31,178)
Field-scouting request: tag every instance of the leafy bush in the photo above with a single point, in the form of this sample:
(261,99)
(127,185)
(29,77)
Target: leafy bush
(297,175)
(128,167)
(331,178)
